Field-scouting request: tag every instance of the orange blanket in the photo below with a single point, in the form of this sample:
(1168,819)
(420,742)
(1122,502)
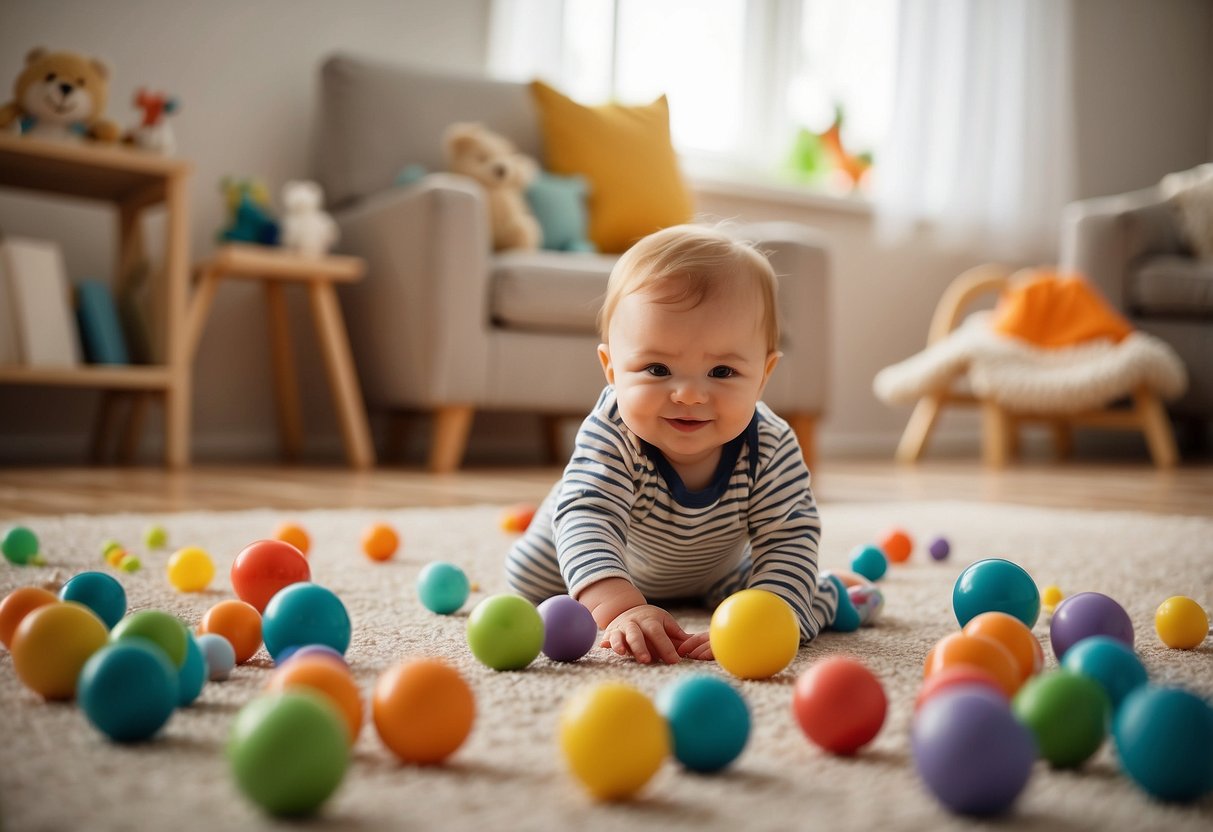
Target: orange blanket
(1057,310)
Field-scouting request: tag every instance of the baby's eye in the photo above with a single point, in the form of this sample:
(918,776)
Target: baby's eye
(657,370)
(722,372)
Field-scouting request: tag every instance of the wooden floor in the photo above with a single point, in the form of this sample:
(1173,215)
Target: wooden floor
(50,490)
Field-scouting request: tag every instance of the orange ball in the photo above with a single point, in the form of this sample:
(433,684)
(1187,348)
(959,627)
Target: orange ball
(423,710)
(518,518)
(1012,634)
(52,644)
(238,622)
(295,535)
(897,545)
(330,679)
(960,648)
(379,542)
(18,604)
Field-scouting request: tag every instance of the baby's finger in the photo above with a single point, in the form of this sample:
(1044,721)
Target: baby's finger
(636,642)
(703,653)
(655,630)
(675,631)
(692,642)
(618,643)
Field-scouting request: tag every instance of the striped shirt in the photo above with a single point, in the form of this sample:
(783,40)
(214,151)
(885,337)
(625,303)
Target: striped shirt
(621,510)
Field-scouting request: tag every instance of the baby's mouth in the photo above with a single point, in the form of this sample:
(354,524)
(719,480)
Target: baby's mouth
(687,425)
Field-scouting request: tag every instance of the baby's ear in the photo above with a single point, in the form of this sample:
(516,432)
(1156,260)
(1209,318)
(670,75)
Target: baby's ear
(604,358)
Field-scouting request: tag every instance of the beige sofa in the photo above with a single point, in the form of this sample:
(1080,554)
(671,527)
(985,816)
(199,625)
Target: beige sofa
(443,325)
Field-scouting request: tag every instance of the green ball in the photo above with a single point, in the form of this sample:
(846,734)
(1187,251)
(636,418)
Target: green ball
(288,751)
(1068,714)
(505,632)
(166,631)
(20,545)
(155,537)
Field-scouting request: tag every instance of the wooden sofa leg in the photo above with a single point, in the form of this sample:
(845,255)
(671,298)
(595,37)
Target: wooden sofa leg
(918,429)
(804,425)
(451,426)
(996,438)
(1157,427)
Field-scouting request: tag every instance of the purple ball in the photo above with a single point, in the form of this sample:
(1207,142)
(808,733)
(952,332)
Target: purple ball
(1088,614)
(569,630)
(972,753)
(940,548)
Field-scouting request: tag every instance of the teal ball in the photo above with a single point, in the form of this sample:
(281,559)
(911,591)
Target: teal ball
(442,587)
(1164,739)
(995,585)
(128,690)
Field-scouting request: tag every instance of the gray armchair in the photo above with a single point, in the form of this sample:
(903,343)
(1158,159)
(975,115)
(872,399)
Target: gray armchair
(441,324)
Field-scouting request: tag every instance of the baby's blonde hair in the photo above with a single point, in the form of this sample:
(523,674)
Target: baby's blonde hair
(693,261)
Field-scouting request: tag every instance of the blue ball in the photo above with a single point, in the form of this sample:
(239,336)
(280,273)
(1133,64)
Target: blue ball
(442,587)
(192,674)
(1111,663)
(709,721)
(305,613)
(128,690)
(1164,739)
(869,561)
(219,654)
(98,591)
(995,585)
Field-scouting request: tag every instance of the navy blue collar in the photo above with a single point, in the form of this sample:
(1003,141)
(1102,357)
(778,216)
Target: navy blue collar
(729,455)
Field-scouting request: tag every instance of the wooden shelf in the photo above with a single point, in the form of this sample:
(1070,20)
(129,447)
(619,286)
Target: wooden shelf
(107,376)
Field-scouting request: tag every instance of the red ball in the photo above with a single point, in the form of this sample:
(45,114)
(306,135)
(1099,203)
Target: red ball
(957,674)
(264,567)
(839,704)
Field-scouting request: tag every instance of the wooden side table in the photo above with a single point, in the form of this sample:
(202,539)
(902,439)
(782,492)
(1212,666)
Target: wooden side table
(277,268)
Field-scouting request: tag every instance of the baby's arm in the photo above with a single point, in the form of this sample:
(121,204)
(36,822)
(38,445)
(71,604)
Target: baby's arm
(631,624)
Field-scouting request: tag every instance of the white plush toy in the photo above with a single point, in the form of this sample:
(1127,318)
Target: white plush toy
(306,228)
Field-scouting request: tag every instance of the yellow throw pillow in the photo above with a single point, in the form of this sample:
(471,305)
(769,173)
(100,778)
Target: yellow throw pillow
(626,154)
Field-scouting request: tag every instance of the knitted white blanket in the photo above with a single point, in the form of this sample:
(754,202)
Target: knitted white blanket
(1030,379)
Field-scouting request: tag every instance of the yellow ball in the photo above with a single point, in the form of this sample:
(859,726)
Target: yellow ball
(1181,623)
(51,645)
(613,739)
(754,634)
(1050,597)
(190,569)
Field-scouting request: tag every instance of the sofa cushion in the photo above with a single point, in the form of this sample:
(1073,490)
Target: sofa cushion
(547,291)
(1172,285)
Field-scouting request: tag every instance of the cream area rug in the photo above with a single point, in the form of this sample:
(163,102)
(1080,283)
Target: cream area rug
(58,773)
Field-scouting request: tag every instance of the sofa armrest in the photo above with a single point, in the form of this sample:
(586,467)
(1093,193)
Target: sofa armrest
(418,320)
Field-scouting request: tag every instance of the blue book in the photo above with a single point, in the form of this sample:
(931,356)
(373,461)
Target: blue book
(100,331)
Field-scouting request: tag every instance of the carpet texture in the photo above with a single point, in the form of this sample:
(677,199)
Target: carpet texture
(57,772)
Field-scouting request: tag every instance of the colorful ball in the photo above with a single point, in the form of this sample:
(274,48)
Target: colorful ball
(18,604)
(569,629)
(288,752)
(266,566)
(129,563)
(1012,634)
(20,546)
(305,613)
(442,587)
(897,545)
(1050,597)
(1164,739)
(423,710)
(1115,667)
(51,645)
(754,634)
(868,601)
(840,704)
(1068,713)
(295,535)
(219,654)
(613,739)
(997,585)
(379,542)
(975,651)
(305,651)
(100,592)
(193,673)
(940,548)
(238,622)
(164,630)
(190,569)
(972,753)
(128,690)
(155,536)
(1088,614)
(709,721)
(327,678)
(869,561)
(1181,623)
(517,519)
(505,632)
(951,678)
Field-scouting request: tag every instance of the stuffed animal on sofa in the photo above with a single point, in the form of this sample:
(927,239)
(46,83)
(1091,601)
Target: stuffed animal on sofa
(489,158)
(61,96)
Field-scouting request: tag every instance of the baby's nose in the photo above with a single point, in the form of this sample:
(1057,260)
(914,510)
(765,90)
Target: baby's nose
(689,392)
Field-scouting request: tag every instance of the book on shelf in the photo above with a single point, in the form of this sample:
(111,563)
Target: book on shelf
(38,299)
(100,329)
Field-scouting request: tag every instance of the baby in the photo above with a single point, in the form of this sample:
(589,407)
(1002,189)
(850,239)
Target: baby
(683,484)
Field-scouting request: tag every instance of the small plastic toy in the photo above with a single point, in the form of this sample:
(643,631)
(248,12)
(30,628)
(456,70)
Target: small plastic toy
(154,132)
(1050,597)
(1115,667)
(754,634)
(976,651)
(128,690)
(305,613)
(868,601)
(1164,740)
(264,567)
(193,673)
(155,536)
(190,569)
(51,645)
(219,654)
(164,630)
(112,552)
(957,676)
(442,587)
(971,752)
(1181,623)
(1088,614)
(100,592)
(250,219)
(839,704)
(517,518)
(569,630)
(423,710)
(379,542)
(869,561)
(1012,634)
(238,622)
(288,752)
(20,546)
(613,739)
(295,535)
(18,604)
(995,584)
(1067,712)
(327,678)
(307,229)
(505,632)
(709,721)
(897,545)
(129,563)
(939,548)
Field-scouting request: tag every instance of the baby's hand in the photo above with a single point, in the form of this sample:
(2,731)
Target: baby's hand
(643,631)
(697,647)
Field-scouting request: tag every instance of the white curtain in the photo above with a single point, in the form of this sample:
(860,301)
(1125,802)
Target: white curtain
(981,150)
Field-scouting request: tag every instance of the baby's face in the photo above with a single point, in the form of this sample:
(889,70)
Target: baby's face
(687,378)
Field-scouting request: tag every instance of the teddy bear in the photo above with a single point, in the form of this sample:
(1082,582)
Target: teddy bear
(489,158)
(61,96)
(306,229)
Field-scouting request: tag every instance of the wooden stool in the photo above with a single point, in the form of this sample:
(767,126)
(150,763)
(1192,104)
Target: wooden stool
(278,268)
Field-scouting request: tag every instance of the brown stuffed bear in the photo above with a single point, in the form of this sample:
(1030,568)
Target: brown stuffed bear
(474,150)
(60,95)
